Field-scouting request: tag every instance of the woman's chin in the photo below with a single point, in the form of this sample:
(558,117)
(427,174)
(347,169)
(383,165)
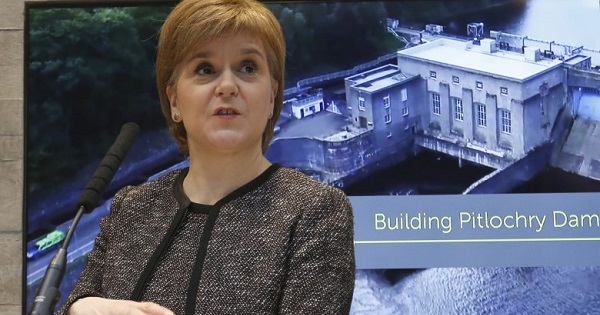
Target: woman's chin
(232,143)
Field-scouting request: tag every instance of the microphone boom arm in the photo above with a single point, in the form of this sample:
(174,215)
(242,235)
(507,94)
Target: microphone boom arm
(48,293)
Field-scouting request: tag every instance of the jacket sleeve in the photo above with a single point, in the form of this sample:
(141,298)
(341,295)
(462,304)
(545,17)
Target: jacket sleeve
(321,269)
(90,280)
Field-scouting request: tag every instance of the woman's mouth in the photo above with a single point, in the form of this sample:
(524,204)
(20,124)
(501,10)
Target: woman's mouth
(226,112)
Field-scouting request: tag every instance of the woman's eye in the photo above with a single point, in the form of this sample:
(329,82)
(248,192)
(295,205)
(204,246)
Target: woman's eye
(204,69)
(248,68)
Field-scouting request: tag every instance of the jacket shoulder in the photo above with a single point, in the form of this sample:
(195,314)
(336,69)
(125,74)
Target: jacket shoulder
(299,180)
(298,186)
(150,191)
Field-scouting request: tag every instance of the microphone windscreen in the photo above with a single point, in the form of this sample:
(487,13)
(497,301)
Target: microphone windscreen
(108,167)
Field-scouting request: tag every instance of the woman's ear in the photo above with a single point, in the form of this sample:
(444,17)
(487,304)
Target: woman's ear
(175,115)
(274,92)
(172,98)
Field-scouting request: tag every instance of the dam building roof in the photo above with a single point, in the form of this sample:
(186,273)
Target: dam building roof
(483,58)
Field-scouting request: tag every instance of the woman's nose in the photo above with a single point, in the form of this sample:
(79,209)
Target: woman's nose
(227,85)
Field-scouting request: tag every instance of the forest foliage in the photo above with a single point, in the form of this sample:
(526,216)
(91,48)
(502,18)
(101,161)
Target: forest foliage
(90,71)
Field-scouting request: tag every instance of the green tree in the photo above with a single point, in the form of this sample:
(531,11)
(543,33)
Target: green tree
(90,71)
(332,36)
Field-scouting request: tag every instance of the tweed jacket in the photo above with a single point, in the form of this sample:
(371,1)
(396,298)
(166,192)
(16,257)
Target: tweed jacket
(281,244)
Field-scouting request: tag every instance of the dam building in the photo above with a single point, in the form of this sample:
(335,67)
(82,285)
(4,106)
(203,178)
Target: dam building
(471,101)
(506,102)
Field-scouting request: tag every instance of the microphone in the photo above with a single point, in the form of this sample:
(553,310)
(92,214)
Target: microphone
(48,293)
(108,167)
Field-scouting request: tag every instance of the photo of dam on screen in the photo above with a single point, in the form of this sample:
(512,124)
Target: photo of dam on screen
(464,133)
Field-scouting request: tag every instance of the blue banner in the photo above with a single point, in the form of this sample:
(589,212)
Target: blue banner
(477,230)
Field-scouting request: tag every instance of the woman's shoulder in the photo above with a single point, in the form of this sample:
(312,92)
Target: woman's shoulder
(316,203)
(297,179)
(151,189)
(295,183)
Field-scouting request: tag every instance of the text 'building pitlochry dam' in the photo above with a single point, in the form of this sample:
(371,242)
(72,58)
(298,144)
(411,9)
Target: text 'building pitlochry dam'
(507,102)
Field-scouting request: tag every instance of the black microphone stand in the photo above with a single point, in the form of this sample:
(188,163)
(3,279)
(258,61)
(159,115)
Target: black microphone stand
(48,293)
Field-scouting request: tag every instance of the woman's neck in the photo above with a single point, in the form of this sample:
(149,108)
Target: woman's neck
(211,178)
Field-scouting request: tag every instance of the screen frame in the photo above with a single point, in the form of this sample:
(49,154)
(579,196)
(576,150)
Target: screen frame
(73,4)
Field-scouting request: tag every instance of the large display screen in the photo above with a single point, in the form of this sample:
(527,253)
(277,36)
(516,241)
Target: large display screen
(464,132)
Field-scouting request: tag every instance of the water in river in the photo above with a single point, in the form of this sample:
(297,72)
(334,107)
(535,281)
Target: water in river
(572,22)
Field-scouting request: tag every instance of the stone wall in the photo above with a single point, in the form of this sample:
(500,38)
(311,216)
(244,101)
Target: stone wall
(11,155)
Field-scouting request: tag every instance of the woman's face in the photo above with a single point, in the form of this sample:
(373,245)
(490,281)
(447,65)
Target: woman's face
(224,95)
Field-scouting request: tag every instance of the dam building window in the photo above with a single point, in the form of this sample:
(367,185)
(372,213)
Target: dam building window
(361,104)
(504,90)
(458,109)
(506,121)
(479,85)
(481,115)
(432,74)
(388,116)
(435,100)
(455,79)
(404,97)
(386,101)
